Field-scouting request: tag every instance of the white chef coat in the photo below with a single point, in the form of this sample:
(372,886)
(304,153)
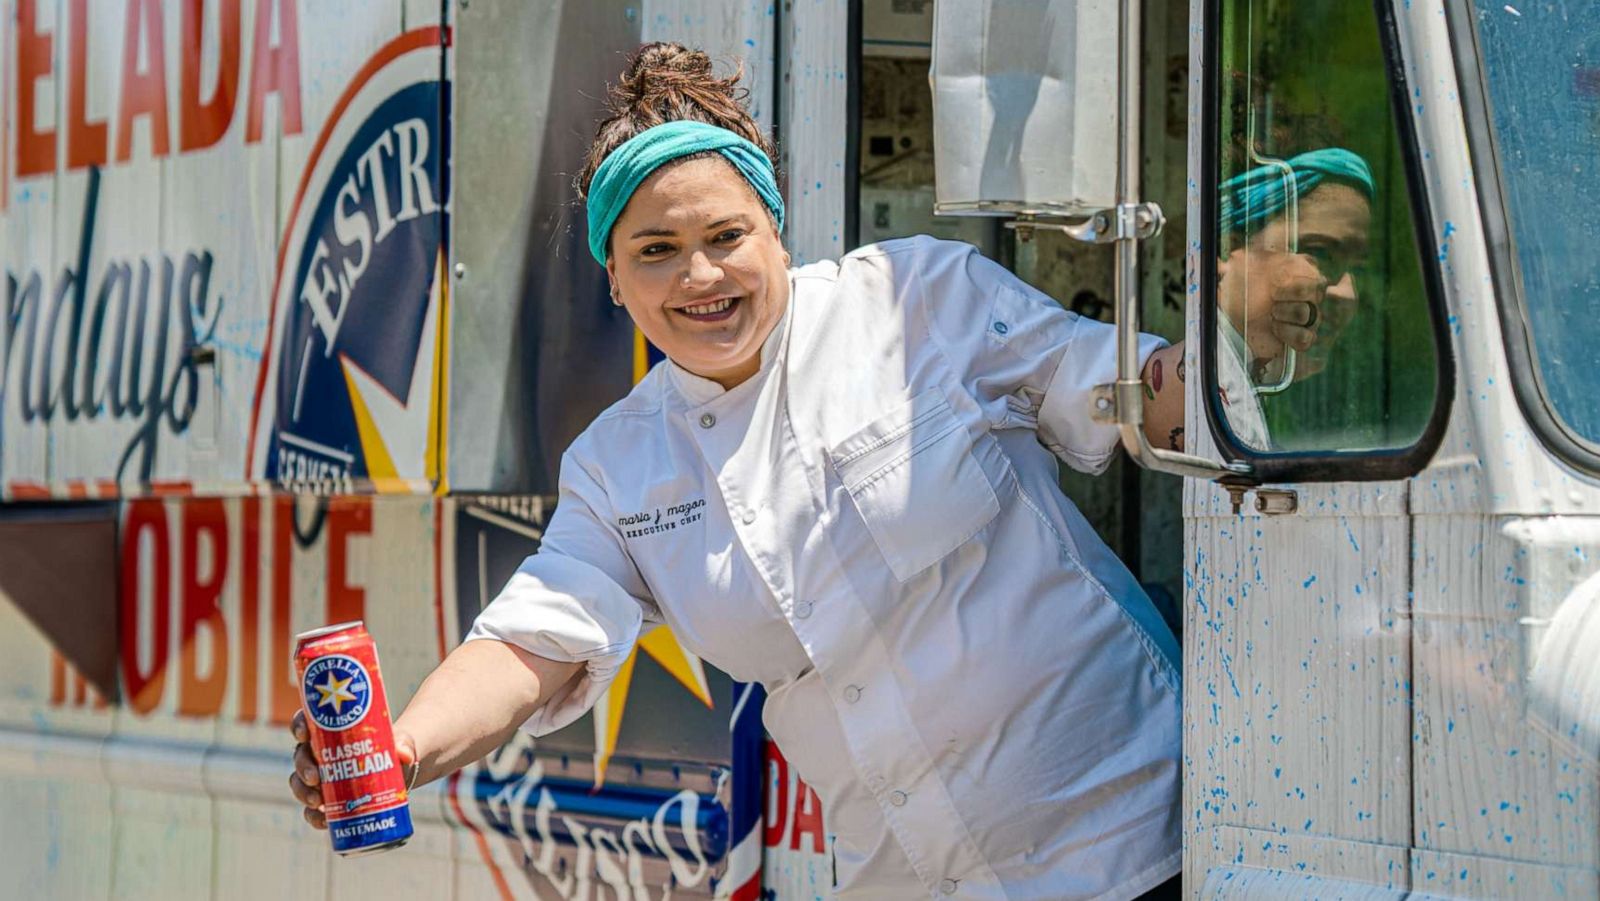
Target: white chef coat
(979,691)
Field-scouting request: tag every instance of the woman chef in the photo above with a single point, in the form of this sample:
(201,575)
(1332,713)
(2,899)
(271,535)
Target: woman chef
(981,694)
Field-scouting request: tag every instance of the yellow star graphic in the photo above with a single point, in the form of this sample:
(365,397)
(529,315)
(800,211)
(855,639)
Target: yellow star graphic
(401,437)
(335,691)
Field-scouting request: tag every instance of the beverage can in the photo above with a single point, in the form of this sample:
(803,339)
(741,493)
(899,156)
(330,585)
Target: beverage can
(364,793)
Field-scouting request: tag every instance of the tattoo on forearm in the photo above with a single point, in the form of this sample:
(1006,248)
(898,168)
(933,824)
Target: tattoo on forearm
(1175,438)
(1153,383)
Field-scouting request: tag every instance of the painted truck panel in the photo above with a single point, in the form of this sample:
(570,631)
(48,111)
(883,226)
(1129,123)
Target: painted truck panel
(188,764)
(136,307)
(539,350)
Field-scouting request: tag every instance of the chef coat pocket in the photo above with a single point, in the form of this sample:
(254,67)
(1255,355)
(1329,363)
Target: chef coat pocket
(913,477)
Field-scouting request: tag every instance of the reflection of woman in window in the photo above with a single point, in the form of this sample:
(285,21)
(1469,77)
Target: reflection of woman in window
(1293,232)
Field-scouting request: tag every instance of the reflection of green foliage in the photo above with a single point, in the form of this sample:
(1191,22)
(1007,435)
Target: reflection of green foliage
(1315,75)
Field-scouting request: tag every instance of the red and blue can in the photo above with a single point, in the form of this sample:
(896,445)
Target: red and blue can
(363,782)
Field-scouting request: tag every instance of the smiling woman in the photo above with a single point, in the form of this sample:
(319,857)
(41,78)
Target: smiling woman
(841,483)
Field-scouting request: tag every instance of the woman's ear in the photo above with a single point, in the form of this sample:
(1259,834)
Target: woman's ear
(611,279)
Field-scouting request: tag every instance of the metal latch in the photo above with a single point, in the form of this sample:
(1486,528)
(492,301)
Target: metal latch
(1139,221)
(1276,501)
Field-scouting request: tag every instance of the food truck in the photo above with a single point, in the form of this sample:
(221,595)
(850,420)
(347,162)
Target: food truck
(299,318)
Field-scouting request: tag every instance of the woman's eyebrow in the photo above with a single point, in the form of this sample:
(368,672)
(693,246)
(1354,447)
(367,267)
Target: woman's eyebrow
(669,233)
(653,233)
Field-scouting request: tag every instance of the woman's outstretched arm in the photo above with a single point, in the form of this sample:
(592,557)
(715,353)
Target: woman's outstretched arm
(475,700)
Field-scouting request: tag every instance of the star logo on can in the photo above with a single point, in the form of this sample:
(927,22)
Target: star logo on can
(338,692)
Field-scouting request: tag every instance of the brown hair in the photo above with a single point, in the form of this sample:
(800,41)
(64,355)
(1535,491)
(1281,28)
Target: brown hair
(666,82)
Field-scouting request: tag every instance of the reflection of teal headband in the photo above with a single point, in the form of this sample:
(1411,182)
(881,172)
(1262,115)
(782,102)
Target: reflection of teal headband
(1254,196)
(625,168)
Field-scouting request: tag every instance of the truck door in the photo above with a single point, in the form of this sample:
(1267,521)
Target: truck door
(1324,365)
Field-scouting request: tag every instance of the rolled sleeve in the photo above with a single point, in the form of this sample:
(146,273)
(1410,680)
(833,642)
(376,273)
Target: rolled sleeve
(1028,362)
(578,600)
(1066,412)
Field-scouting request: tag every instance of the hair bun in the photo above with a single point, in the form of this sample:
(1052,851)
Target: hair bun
(663,72)
(667,82)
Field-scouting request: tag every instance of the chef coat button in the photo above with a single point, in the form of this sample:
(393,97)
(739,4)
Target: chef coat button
(852,693)
(899,799)
(948,887)
(802,610)
(749,516)
(707,420)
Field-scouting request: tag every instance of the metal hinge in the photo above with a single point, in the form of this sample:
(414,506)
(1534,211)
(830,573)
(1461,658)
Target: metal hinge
(1269,501)
(1127,221)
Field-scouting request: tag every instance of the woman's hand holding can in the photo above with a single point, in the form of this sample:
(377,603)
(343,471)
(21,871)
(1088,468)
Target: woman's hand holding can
(305,782)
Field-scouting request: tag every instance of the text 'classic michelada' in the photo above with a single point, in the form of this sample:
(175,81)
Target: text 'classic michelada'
(363,782)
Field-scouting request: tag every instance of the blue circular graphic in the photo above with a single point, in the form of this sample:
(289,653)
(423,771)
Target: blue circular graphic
(338,692)
(361,284)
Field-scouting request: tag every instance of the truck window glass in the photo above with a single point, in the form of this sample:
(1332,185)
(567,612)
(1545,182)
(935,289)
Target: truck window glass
(1324,342)
(1541,70)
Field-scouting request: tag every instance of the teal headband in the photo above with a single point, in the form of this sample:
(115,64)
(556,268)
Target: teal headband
(1254,196)
(625,168)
